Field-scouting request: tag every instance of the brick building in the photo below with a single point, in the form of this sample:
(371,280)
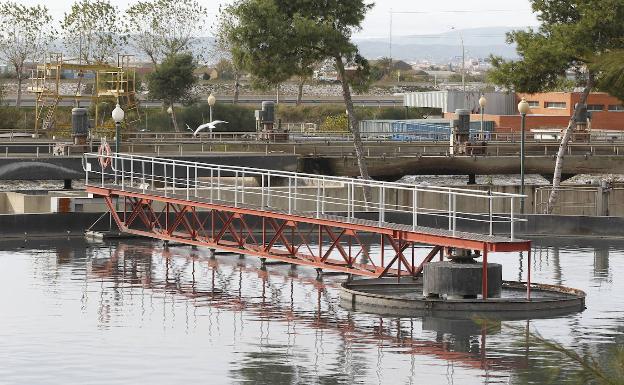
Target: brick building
(552,110)
(549,111)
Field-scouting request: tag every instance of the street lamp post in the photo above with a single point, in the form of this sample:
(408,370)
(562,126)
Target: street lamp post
(482,104)
(173,120)
(118,117)
(211,102)
(523,108)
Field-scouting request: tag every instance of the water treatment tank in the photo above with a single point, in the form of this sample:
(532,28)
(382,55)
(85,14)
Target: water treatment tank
(581,113)
(80,121)
(461,124)
(268,112)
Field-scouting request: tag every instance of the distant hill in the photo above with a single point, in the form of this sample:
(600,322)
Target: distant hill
(440,48)
(479,43)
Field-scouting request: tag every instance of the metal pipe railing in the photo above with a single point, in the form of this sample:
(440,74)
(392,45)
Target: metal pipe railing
(305,194)
(373,136)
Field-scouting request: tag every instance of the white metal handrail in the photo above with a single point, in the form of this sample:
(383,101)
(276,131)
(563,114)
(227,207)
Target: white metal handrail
(372,136)
(309,194)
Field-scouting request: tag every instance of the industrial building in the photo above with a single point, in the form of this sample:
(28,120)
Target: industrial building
(549,111)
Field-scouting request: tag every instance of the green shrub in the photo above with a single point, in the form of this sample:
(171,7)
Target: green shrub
(239,118)
(318,114)
(335,123)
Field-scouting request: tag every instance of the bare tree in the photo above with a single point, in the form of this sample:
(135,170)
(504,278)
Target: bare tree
(163,28)
(92,31)
(563,147)
(223,50)
(25,33)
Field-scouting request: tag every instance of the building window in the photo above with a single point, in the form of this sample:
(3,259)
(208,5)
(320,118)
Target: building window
(555,105)
(595,107)
(533,103)
(616,107)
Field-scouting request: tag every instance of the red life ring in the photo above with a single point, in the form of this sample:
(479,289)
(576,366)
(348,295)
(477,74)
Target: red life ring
(104,154)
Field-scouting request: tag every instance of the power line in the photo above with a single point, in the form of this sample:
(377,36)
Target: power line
(448,36)
(464,11)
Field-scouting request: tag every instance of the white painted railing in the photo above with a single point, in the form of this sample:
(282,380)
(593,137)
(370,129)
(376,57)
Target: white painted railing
(308,194)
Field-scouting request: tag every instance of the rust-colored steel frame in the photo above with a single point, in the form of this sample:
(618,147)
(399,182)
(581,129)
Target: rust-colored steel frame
(320,243)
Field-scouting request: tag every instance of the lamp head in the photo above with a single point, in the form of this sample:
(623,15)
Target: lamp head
(211,100)
(118,114)
(482,101)
(523,107)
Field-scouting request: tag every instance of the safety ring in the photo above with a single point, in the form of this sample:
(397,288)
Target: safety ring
(104,155)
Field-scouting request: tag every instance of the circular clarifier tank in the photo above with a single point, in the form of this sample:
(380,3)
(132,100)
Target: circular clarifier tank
(405,298)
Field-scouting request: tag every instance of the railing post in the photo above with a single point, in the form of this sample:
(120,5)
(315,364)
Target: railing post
(218,182)
(116,167)
(352,200)
(323,200)
(143,175)
(454,213)
(450,211)
(512,220)
(318,198)
(188,182)
(173,177)
(414,208)
(349,186)
(382,202)
(153,176)
(165,177)
(269,189)
(196,181)
(131,171)
(236,189)
(243,188)
(295,193)
(211,183)
(86,163)
(529,274)
(262,191)
(123,174)
(289,195)
(490,203)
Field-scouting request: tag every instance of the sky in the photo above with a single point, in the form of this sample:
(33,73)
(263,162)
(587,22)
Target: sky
(437,16)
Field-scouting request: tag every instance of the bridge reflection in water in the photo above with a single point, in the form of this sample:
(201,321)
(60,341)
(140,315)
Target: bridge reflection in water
(280,294)
(147,311)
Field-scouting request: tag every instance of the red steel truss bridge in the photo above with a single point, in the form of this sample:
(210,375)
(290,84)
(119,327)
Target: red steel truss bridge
(320,221)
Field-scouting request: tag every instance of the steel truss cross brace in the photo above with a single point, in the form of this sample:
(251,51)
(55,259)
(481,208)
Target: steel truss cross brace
(322,243)
(335,248)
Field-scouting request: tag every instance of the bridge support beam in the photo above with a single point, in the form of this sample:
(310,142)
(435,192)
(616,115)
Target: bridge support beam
(325,244)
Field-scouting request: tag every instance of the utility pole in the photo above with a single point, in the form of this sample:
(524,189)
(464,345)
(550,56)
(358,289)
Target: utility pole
(390,40)
(463,70)
(463,67)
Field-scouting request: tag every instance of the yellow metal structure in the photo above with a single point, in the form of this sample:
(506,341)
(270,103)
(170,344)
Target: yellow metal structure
(107,85)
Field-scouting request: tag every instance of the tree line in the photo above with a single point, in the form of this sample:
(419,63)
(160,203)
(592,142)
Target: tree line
(95,31)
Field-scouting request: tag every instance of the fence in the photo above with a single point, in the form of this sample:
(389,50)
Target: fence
(582,200)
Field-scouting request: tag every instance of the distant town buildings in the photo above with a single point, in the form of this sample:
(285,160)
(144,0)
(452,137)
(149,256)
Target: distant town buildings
(549,111)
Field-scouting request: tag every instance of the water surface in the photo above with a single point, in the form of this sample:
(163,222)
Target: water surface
(132,312)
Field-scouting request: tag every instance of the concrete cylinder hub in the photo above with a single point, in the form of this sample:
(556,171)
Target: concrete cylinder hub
(453,280)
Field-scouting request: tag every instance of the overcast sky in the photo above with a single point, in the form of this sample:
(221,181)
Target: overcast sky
(439,15)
